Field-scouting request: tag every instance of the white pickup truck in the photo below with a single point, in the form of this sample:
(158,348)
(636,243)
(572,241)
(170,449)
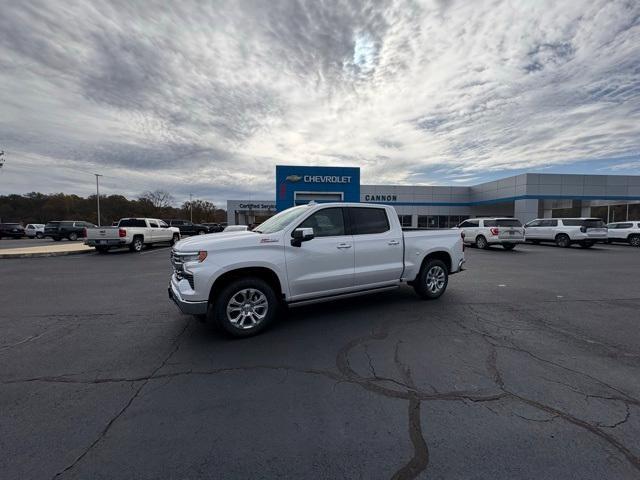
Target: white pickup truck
(306,254)
(134,233)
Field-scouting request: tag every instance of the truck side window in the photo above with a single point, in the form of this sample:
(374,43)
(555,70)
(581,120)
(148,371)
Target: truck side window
(369,220)
(153,224)
(328,222)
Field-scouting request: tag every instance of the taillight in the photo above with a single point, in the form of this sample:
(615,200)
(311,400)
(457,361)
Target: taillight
(122,232)
(494,230)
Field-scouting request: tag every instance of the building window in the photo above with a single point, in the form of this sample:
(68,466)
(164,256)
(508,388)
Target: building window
(440,221)
(427,221)
(405,220)
(600,212)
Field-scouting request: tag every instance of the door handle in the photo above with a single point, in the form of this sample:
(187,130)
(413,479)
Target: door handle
(393,242)
(344,245)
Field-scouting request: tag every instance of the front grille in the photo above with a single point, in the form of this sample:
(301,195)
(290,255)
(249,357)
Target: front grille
(178,266)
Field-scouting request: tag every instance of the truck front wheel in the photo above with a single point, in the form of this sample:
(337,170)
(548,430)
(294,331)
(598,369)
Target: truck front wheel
(432,280)
(245,306)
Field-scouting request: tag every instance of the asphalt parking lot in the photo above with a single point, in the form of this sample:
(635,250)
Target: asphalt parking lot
(528,367)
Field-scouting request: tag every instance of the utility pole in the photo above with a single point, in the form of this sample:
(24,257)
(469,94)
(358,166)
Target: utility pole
(191,206)
(98,195)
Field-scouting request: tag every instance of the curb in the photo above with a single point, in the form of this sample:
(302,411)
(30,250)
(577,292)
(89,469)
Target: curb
(43,254)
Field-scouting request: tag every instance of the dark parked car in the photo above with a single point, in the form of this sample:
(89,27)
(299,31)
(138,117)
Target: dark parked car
(12,230)
(214,227)
(188,228)
(73,230)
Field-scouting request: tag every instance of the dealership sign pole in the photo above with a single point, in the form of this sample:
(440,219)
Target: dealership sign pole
(98,195)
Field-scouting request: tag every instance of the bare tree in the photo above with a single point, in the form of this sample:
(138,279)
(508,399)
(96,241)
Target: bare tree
(158,198)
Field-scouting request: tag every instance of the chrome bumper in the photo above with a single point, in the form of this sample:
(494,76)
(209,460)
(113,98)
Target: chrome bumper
(190,308)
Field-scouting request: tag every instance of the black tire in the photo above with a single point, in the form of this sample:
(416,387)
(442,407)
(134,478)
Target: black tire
(508,246)
(175,239)
(563,240)
(245,291)
(481,242)
(137,244)
(634,240)
(586,244)
(432,280)
(102,249)
(201,232)
(56,239)
(73,236)
(39,236)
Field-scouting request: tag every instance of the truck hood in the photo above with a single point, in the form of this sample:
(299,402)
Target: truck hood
(217,241)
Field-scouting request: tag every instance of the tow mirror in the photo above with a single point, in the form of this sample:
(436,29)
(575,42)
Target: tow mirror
(300,235)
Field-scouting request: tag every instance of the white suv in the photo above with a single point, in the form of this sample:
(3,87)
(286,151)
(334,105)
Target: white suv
(624,232)
(566,231)
(484,232)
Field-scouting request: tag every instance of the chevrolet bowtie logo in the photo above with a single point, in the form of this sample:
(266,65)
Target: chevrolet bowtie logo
(294,178)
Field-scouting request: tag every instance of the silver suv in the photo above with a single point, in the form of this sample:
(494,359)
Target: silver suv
(566,231)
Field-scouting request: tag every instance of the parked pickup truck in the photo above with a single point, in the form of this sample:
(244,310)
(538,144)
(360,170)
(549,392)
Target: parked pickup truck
(132,232)
(307,254)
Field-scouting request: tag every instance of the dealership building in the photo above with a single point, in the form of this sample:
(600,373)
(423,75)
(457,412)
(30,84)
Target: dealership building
(526,196)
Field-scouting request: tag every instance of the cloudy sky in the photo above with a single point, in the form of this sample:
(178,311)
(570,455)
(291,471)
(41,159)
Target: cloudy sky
(206,97)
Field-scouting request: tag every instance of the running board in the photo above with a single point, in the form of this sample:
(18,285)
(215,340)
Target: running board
(340,296)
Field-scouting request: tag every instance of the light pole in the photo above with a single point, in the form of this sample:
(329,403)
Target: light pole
(98,195)
(191,206)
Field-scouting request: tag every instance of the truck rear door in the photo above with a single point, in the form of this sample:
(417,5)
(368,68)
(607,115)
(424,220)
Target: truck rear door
(378,246)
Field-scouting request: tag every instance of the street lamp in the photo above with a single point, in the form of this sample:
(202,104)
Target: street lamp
(98,195)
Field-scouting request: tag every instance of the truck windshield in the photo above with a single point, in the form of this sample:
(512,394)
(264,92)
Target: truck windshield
(281,220)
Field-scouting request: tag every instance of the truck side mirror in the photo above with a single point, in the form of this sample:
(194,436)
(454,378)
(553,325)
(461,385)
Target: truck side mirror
(300,235)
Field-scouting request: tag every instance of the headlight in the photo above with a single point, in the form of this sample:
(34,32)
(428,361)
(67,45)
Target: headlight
(194,257)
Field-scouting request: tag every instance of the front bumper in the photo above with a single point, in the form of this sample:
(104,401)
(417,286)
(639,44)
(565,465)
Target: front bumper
(190,308)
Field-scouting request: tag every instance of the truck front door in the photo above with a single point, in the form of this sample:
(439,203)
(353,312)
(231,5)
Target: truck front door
(325,264)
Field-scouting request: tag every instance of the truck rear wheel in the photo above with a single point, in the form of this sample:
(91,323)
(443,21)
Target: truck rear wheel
(432,280)
(482,243)
(634,240)
(508,246)
(137,244)
(245,307)
(175,239)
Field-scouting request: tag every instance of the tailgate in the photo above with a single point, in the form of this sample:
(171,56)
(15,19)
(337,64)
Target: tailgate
(105,233)
(511,233)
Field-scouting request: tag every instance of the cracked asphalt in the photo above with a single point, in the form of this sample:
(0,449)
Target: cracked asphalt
(528,367)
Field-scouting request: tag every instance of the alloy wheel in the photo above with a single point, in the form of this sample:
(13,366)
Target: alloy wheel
(435,279)
(247,308)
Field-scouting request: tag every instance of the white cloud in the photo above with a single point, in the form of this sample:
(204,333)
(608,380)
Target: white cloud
(212,96)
